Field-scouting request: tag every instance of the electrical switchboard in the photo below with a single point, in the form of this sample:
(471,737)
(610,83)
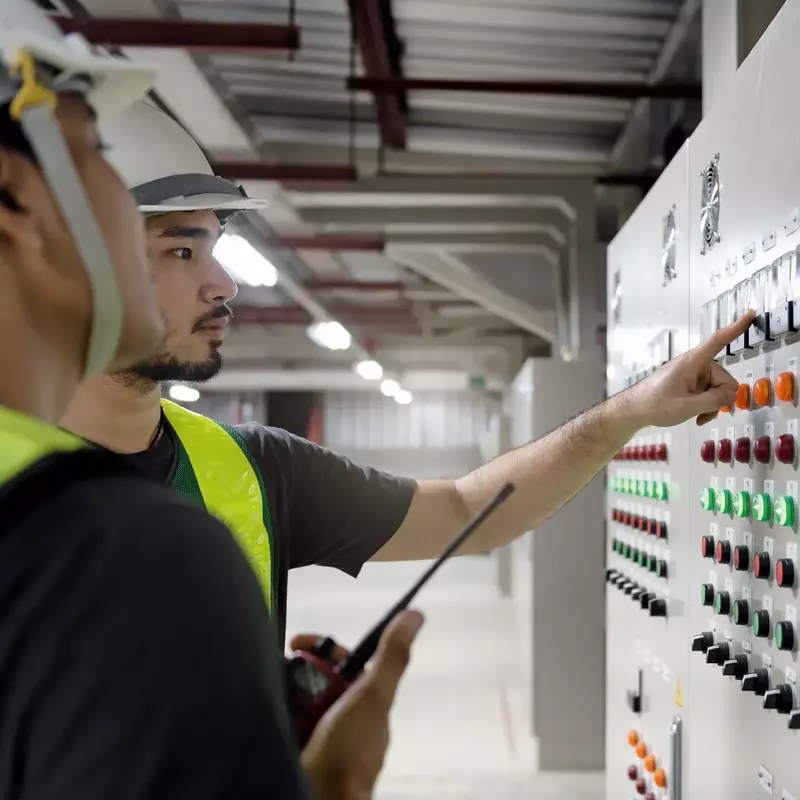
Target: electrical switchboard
(702,564)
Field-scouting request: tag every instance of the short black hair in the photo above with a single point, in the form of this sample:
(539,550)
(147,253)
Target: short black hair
(12,137)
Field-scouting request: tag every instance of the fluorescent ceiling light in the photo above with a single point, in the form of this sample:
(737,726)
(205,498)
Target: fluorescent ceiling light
(403,397)
(244,262)
(329,334)
(369,370)
(183,393)
(390,388)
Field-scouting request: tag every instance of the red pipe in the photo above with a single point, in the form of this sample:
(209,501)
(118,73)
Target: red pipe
(257,171)
(611,89)
(184,34)
(339,244)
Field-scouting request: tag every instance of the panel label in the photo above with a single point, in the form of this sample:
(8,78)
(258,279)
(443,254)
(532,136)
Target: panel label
(769,546)
(791,490)
(770,370)
(714,482)
(769,429)
(730,434)
(769,487)
(765,779)
(766,604)
(747,648)
(747,594)
(748,485)
(730,484)
(714,434)
(748,431)
(791,614)
(792,427)
(730,535)
(748,376)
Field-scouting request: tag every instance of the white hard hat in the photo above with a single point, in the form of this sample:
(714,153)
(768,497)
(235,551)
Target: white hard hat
(37,63)
(165,168)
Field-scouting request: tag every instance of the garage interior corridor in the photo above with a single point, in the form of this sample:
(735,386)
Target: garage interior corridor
(461,724)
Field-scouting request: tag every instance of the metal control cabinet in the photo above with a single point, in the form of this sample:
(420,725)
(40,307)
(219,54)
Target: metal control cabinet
(723,661)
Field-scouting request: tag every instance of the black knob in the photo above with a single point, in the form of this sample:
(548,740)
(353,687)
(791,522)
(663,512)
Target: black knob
(722,603)
(780,699)
(735,667)
(784,636)
(636,594)
(702,642)
(757,682)
(623,584)
(723,552)
(741,558)
(619,579)
(761,624)
(658,607)
(761,565)
(707,546)
(707,594)
(645,599)
(741,612)
(718,653)
(630,586)
(794,720)
(610,575)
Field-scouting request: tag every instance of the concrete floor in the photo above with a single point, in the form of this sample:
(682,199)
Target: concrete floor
(461,725)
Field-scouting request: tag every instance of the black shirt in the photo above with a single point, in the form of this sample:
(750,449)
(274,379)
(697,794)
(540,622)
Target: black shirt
(325,509)
(136,658)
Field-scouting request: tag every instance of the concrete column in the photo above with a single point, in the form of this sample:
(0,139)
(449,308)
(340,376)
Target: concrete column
(731,29)
(505,555)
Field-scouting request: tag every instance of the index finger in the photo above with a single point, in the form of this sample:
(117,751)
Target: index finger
(724,336)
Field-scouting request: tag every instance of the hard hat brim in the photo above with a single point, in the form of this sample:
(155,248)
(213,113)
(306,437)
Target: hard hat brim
(205,203)
(193,192)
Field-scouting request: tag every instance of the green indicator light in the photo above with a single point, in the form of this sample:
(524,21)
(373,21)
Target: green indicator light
(661,491)
(706,594)
(639,488)
(661,568)
(643,558)
(762,507)
(779,637)
(741,504)
(756,625)
(724,502)
(647,489)
(718,604)
(740,613)
(707,498)
(784,511)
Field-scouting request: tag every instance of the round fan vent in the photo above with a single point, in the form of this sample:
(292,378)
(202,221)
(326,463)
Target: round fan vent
(709,205)
(668,247)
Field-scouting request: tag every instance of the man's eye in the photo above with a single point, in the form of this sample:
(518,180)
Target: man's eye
(183,253)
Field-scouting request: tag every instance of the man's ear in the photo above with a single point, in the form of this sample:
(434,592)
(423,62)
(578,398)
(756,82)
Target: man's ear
(17,224)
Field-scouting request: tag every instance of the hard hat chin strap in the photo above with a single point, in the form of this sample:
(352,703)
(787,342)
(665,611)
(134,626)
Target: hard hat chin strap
(34,108)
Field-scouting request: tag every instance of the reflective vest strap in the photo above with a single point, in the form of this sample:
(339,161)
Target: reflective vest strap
(230,487)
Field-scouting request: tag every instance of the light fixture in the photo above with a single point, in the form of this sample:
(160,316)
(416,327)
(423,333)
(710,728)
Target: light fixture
(183,393)
(390,388)
(243,261)
(403,397)
(329,334)
(369,370)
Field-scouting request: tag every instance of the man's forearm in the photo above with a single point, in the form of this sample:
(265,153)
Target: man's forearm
(547,473)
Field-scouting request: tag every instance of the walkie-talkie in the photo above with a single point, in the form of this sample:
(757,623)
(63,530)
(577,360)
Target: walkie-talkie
(316,680)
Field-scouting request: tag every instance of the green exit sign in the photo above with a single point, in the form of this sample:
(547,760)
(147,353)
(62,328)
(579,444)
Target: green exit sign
(477,382)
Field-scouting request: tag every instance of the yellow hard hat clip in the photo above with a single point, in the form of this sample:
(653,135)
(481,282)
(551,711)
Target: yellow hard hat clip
(31,93)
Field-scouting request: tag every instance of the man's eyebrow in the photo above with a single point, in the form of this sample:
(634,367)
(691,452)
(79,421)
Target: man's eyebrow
(188,232)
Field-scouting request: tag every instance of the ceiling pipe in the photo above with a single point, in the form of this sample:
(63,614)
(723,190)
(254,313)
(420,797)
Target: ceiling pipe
(184,34)
(258,171)
(297,315)
(333,244)
(356,286)
(684,90)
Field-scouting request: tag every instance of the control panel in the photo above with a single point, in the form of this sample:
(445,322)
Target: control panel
(703,568)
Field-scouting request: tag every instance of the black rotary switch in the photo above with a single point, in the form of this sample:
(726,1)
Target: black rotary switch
(757,682)
(645,599)
(761,624)
(761,566)
(735,667)
(636,594)
(741,558)
(610,575)
(702,642)
(707,546)
(658,607)
(723,552)
(794,720)
(722,603)
(630,586)
(741,612)
(707,594)
(780,699)
(718,653)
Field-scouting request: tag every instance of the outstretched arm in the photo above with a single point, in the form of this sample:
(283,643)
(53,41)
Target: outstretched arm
(551,470)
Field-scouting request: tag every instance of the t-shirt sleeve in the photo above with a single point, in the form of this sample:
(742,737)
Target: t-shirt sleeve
(143,665)
(339,514)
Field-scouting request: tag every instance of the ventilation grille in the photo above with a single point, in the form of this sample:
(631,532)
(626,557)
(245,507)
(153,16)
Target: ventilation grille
(669,247)
(709,205)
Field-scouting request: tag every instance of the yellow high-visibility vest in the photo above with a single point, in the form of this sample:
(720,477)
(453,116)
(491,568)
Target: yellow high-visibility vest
(215,470)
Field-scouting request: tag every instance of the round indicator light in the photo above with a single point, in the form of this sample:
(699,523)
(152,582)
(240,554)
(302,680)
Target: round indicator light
(725,450)
(743,397)
(784,511)
(707,594)
(762,449)
(722,603)
(633,772)
(641,749)
(741,450)
(723,552)
(741,558)
(784,572)
(660,778)
(761,624)
(662,452)
(633,738)
(784,387)
(661,491)
(708,451)
(761,566)
(784,636)
(724,501)
(741,612)
(707,499)
(650,763)
(741,504)
(707,546)
(762,392)
(762,507)
(784,448)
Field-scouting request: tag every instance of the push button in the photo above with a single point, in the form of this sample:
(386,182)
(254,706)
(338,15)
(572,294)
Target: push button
(741,504)
(762,507)
(762,566)
(641,749)
(660,778)
(707,499)
(633,772)
(762,450)
(784,448)
(661,491)
(741,450)
(741,612)
(662,452)
(784,573)
(784,387)
(633,738)
(707,547)
(724,501)
(761,624)
(661,529)
(641,786)
(722,603)
(762,392)
(784,511)
(650,763)
(741,558)
(661,568)
(708,451)
(723,552)
(784,636)
(725,451)
(780,699)
(743,397)
(757,682)
(707,594)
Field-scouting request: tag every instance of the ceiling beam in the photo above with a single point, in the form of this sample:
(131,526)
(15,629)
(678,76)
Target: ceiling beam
(625,90)
(297,315)
(374,29)
(259,171)
(333,244)
(184,34)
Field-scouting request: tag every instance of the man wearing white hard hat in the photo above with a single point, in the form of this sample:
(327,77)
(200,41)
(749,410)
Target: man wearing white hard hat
(289,502)
(122,608)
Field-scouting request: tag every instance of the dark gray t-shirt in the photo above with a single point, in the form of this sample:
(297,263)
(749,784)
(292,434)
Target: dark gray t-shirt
(325,509)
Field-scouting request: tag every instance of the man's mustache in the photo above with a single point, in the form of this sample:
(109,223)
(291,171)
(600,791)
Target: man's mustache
(220,312)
